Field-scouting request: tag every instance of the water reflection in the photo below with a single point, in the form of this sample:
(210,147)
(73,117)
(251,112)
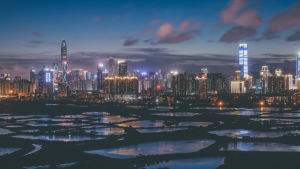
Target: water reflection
(166,129)
(70,116)
(191,163)
(58,124)
(158,147)
(113,119)
(281,115)
(5,150)
(13,126)
(186,114)
(97,113)
(37,148)
(243,113)
(239,133)
(5,131)
(107,131)
(58,138)
(163,108)
(143,123)
(260,146)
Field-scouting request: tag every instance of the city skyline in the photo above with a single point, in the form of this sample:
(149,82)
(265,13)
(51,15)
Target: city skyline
(177,40)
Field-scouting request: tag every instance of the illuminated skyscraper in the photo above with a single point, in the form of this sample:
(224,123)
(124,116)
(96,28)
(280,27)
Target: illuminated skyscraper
(111,67)
(100,78)
(64,62)
(243,60)
(122,68)
(32,74)
(298,64)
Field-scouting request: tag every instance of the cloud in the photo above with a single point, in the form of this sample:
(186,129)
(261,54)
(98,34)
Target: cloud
(185,24)
(36,34)
(272,55)
(285,21)
(181,37)
(97,18)
(130,42)
(248,18)
(294,37)
(164,30)
(238,33)
(146,31)
(228,15)
(197,25)
(155,22)
(148,50)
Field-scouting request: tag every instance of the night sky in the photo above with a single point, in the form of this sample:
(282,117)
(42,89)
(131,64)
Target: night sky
(169,35)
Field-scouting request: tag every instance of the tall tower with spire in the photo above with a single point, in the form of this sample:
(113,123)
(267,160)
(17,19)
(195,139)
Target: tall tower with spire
(111,66)
(32,74)
(64,61)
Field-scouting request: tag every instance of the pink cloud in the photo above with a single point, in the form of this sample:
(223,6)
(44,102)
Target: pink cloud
(248,18)
(197,25)
(97,18)
(228,14)
(185,24)
(155,22)
(285,20)
(164,30)
(36,34)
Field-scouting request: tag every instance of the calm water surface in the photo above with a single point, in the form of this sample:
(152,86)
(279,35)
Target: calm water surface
(108,131)
(239,133)
(185,114)
(260,146)
(191,163)
(58,138)
(243,113)
(5,131)
(281,115)
(166,129)
(158,147)
(4,150)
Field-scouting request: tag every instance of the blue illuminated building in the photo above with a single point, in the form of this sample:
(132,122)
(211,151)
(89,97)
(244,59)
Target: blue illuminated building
(243,60)
(297,64)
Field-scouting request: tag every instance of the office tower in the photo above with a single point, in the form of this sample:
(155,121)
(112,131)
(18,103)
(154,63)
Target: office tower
(17,78)
(180,84)
(248,82)
(121,85)
(204,70)
(298,64)
(89,81)
(275,85)
(237,75)
(202,87)
(32,74)
(55,67)
(48,82)
(288,82)
(16,87)
(76,79)
(122,68)
(278,72)
(243,60)
(238,87)
(62,90)
(100,78)
(264,74)
(214,82)
(7,76)
(64,61)
(259,85)
(111,66)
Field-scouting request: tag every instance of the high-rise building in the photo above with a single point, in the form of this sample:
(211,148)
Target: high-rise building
(64,61)
(17,78)
(278,72)
(276,85)
(180,84)
(264,75)
(214,82)
(243,60)
(238,87)
(298,64)
(32,74)
(237,75)
(122,68)
(100,78)
(121,85)
(111,66)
